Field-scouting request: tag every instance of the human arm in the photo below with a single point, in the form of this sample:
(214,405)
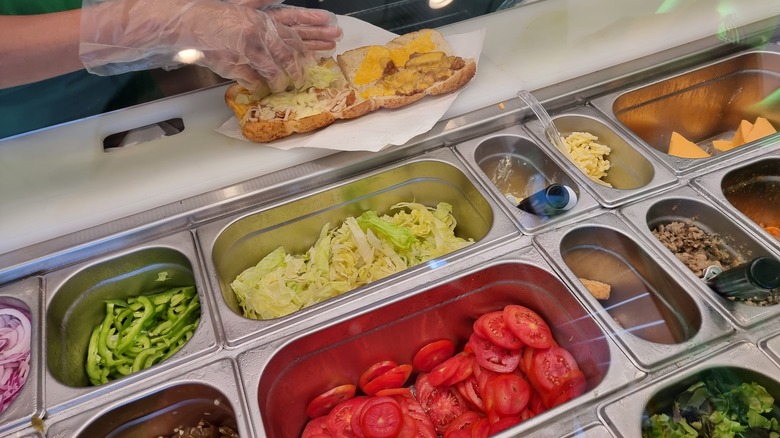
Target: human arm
(37,47)
(235,40)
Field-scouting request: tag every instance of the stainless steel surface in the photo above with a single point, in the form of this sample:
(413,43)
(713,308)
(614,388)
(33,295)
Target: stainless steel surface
(632,172)
(650,311)
(529,169)
(236,243)
(248,364)
(25,294)
(281,379)
(702,103)
(736,183)
(75,297)
(744,361)
(685,204)
(181,398)
(754,190)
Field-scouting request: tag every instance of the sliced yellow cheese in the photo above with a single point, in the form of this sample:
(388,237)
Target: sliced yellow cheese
(761,129)
(371,69)
(742,133)
(681,147)
(723,145)
(376,57)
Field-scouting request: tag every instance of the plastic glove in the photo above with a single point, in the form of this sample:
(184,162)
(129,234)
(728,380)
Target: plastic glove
(233,40)
(318,28)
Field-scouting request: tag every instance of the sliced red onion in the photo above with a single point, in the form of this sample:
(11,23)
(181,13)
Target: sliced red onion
(15,332)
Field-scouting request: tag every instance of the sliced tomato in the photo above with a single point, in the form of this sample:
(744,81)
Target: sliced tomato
(492,327)
(340,417)
(412,408)
(408,428)
(393,378)
(463,423)
(526,414)
(443,371)
(549,367)
(381,417)
(406,392)
(465,368)
(528,326)
(354,422)
(323,403)
(484,376)
(493,357)
(509,394)
(503,424)
(422,387)
(535,404)
(570,386)
(443,405)
(469,389)
(317,427)
(453,370)
(433,354)
(480,429)
(375,371)
(527,359)
(458,433)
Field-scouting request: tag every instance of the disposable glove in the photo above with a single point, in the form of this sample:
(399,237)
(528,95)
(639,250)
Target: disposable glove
(235,40)
(318,28)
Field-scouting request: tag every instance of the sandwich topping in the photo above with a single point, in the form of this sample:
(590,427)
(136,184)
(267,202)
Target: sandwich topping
(419,72)
(320,93)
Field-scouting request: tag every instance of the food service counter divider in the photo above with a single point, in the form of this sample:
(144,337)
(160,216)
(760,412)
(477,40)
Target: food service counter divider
(242,368)
(219,358)
(59,181)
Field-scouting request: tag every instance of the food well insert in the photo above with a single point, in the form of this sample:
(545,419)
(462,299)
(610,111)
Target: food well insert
(77,300)
(338,353)
(703,104)
(238,243)
(749,191)
(648,308)
(703,235)
(631,173)
(24,295)
(740,363)
(512,164)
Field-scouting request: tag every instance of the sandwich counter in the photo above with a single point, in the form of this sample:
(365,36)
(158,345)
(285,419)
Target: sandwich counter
(98,241)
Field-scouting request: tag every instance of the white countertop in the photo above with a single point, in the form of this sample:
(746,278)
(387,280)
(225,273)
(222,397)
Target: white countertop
(60,180)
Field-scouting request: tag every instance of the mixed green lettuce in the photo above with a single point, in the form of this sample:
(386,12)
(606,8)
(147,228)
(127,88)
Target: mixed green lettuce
(718,409)
(361,250)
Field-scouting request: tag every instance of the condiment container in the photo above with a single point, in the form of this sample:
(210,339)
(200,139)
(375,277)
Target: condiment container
(755,279)
(554,199)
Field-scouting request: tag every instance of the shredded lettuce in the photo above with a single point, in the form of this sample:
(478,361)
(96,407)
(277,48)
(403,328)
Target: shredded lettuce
(717,409)
(361,250)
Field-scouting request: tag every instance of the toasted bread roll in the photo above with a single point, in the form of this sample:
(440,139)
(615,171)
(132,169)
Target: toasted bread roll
(327,97)
(406,69)
(362,80)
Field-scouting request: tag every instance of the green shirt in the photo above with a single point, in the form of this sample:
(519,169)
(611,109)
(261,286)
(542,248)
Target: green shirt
(68,97)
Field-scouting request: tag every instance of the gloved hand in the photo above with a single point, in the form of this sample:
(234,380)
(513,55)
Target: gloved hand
(234,40)
(318,28)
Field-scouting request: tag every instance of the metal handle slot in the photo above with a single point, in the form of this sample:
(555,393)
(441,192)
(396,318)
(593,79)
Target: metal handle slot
(143,134)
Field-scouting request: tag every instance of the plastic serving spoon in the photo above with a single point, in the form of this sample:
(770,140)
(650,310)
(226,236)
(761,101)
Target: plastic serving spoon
(550,130)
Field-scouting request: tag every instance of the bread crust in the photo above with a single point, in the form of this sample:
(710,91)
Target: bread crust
(264,130)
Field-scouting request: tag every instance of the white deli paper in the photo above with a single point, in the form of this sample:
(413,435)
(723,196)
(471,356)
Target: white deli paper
(384,127)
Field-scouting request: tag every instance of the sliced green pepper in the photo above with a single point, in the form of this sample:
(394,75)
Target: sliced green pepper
(141,331)
(128,338)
